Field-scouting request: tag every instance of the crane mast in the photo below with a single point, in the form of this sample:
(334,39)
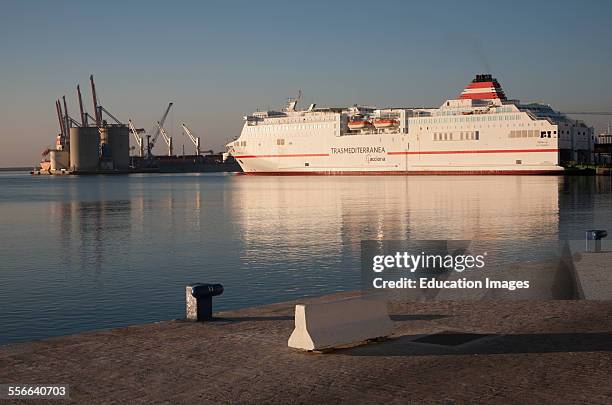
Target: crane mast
(157,131)
(166,137)
(137,137)
(193,138)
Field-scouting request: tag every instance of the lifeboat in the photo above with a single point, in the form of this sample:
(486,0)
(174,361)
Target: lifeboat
(385,122)
(358,124)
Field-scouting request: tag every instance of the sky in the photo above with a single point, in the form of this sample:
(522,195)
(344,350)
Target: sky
(218,61)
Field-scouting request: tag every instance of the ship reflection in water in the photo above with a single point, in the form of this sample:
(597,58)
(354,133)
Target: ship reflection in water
(99,252)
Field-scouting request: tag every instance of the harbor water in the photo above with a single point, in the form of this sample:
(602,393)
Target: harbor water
(80,253)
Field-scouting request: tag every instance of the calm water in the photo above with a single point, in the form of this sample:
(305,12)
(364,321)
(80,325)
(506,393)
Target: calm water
(82,253)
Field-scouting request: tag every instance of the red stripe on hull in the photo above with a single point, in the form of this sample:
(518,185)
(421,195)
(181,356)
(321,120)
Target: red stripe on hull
(431,152)
(271,156)
(408,173)
(454,152)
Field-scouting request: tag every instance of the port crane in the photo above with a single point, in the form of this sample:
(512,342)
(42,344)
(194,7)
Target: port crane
(136,133)
(193,138)
(166,137)
(156,132)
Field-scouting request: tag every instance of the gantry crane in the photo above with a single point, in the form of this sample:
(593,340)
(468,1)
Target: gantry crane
(156,132)
(166,137)
(193,138)
(136,133)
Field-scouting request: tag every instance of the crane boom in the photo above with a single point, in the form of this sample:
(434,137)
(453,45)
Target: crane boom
(102,109)
(58,107)
(83,115)
(137,137)
(167,138)
(160,125)
(95,101)
(194,139)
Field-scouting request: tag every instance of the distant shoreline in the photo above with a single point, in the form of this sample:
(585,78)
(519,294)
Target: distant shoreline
(15,169)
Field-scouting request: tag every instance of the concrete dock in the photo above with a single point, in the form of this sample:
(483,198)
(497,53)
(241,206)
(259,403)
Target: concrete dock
(441,352)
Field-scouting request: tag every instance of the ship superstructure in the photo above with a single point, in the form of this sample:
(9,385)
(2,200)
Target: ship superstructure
(479,132)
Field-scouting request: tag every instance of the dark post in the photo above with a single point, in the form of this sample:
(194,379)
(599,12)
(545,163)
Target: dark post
(198,300)
(593,240)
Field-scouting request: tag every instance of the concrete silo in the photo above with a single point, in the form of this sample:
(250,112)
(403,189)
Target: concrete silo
(59,160)
(84,149)
(119,145)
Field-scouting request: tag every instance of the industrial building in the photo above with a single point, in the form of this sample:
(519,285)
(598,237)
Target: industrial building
(89,145)
(100,144)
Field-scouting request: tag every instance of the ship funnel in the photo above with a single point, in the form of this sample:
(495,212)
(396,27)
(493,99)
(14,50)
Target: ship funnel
(483,87)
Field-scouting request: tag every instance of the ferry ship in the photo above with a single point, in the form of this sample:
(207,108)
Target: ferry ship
(479,132)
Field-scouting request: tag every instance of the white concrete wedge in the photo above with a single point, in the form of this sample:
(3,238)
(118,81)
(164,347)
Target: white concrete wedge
(339,323)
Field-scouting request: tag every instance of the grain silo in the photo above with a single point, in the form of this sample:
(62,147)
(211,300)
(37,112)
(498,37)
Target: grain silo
(84,149)
(59,160)
(119,145)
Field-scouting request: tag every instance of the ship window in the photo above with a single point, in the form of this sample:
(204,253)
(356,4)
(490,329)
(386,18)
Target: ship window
(306,164)
(477,135)
(548,133)
(543,134)
(518,162)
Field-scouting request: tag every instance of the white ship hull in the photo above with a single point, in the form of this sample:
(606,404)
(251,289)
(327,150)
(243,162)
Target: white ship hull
(397,157)
(479,133)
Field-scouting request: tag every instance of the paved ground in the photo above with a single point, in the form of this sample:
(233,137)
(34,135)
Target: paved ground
(542,352)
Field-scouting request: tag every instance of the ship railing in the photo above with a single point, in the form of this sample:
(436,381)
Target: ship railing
(397,130)
(538,117)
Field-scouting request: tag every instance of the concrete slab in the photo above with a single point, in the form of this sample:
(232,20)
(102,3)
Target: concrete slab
(594,271)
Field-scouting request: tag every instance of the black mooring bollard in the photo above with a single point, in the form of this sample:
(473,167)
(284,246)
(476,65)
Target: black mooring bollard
(593,240)
(198,298)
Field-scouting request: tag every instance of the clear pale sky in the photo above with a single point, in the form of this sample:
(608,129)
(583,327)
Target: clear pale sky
(218,61)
